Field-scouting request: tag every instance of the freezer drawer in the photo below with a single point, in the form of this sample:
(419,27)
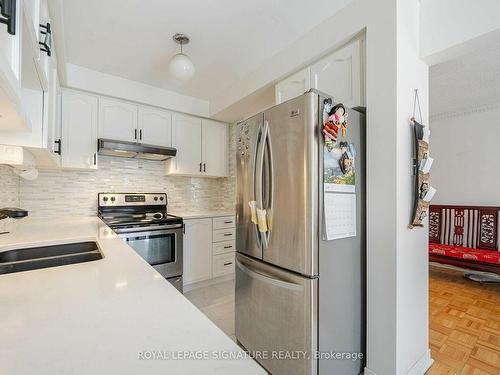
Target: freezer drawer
(276,310)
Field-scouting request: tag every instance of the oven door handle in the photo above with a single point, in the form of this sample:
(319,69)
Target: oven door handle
(147,229)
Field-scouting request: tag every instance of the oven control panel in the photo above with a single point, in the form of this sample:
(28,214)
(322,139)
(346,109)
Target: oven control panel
(131,199)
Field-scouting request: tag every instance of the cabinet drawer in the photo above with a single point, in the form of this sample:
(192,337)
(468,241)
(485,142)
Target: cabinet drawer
(224,222)
(224,235)
(223,264)
(223,247)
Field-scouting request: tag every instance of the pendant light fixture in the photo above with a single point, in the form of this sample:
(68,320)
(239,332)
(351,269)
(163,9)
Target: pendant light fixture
(181,65)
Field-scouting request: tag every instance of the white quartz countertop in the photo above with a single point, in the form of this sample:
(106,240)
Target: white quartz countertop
(102,317)
(202,214)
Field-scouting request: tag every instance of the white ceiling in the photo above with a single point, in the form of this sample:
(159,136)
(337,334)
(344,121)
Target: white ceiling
(229,39)
(467,82)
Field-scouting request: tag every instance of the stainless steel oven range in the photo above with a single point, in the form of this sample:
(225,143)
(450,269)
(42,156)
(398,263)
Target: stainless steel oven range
(142,221)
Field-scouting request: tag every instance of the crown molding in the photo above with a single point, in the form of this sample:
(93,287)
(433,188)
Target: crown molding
(465,112)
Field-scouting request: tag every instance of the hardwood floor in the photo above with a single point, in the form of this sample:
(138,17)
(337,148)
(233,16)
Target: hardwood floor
(464,325)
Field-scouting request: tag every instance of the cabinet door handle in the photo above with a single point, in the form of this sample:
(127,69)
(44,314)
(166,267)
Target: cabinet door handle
(58,143)
(95,158)
(140,134)
(135,134)
(204,167)
(200,167)
(228,263)
(46,31)
(8,15)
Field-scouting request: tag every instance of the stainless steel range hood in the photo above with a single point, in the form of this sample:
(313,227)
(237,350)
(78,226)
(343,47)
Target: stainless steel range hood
(124,149)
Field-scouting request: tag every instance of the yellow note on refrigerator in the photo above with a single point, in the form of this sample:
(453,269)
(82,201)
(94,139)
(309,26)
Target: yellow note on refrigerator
(253,208)
(262,220)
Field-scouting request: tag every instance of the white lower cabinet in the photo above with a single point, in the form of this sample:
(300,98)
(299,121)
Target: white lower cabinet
(208,253)
(197,250)
(223,264)
(223,247)
(224,234)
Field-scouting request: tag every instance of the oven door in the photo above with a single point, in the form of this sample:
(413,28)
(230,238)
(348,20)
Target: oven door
(160,246)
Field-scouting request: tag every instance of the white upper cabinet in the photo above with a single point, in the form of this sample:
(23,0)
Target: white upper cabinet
(118,120)
(10,50)
(24,68)
(214,143)
(16,50)
(124,121)
(52,118)
(79,130)
(202,147)
(186,138)
(293,86)
(155,127)
(339,75)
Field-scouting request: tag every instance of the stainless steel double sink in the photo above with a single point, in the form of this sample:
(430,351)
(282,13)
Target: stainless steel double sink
(34,258)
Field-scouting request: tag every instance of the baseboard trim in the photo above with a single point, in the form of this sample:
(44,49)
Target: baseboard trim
(419,368)
(422,365)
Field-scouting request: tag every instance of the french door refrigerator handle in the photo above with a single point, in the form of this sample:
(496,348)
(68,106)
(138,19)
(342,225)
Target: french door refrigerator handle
(270,185)
(257,177)
(268,278)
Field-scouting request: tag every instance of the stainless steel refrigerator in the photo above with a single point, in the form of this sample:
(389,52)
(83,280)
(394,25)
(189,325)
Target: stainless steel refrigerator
(297,290)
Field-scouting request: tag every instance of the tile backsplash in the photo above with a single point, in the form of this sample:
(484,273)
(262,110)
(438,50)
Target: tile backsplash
(9,187)
(58,193)
(63,193)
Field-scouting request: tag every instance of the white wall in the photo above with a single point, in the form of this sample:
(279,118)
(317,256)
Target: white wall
(466,150)
(411,250)
(450,28)
(396,257)
(90,80)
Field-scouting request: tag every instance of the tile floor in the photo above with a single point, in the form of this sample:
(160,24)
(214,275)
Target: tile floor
(216,301)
